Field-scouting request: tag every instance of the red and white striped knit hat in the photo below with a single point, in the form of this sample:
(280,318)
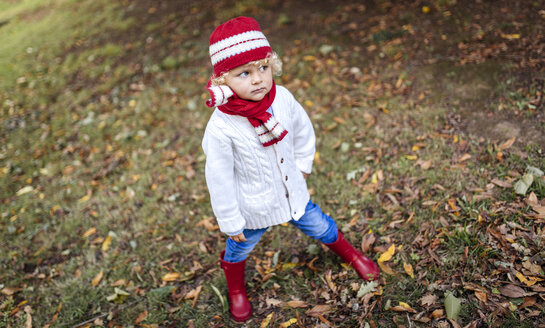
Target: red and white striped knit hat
(232,44)
(237,42)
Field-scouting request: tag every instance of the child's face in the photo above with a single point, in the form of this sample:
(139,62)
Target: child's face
(250,81)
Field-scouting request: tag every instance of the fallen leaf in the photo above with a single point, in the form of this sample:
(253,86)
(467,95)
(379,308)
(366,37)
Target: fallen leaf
(452,306)
(534,269)
(439,313)
(428,300)
(366,288)
(464,158)
(84,198)
(118,296)
(528,301)
(297,304)
(106,243)
(8,291)
(530,281)
(141,317)
(425,165)
(24,190)
(288,323)
(454,323)
(194,294)
(512,291)
(403,307)
(97,278)
(28,311)
(502,184)
(207,224)
(273,302)
(171,276)
(90,231)
(267,320)
(408,269)
(367,241)
(482,296)
(524,183)
(318,310)
(387,256)
(507,144)
(510,36)
(384,267)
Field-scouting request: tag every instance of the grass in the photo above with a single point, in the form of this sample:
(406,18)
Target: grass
(112,156)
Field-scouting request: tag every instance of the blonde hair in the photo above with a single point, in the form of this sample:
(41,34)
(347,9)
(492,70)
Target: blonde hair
(271,60)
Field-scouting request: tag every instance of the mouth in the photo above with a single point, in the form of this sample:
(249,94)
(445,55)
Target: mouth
(260,90)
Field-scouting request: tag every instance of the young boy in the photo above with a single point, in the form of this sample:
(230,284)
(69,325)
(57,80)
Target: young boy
(259,145)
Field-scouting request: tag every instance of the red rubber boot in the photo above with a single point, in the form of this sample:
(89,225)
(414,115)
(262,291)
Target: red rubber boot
(366,268)
(240,307)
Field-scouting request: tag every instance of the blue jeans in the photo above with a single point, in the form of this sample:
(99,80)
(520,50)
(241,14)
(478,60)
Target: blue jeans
(314,223)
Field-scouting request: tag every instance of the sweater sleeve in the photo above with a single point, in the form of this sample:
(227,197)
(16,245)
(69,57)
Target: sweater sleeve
(304,140)
(219,172)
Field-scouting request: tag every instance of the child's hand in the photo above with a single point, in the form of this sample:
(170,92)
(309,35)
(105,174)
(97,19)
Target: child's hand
(239,238)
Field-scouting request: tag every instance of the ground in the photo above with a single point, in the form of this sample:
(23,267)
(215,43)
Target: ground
(430,126)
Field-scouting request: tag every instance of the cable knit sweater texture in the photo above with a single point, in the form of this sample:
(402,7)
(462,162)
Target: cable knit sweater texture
(252,186)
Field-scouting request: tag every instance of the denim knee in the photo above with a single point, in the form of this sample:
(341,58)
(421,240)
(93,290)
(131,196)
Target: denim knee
(317,225)
(239,251)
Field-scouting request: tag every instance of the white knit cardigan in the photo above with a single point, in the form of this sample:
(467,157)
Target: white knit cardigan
(252,186)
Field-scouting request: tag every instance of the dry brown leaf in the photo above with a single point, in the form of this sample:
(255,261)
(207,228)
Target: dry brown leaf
(428,300)
(482,296)
(454,323)
(439,313)
(318,310)
(384,267)
(339,120)
(400,308)
(425,165)
(141,317)
(512,291)
(464,158)
(194,294)
(501,183)
(311,264)
(9,291)
(120,282)
(534,269)
(507,144)
(90,231)
(207,224)
(532,199)
(273,302)
(528,301)
(28,311)
(297,304)
(367,241)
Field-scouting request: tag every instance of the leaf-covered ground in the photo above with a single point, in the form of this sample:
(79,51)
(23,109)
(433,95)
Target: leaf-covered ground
(430,123)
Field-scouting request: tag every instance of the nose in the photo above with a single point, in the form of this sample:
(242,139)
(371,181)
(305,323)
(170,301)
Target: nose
(256,78)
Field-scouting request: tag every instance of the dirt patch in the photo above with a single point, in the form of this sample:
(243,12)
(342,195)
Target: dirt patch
(473,93)
(35,15)
(501,126)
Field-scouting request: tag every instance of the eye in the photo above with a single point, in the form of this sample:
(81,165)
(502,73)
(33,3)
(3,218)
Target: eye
(263,68)
(243,74)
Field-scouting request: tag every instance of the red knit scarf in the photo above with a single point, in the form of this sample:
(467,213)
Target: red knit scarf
(267,127)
